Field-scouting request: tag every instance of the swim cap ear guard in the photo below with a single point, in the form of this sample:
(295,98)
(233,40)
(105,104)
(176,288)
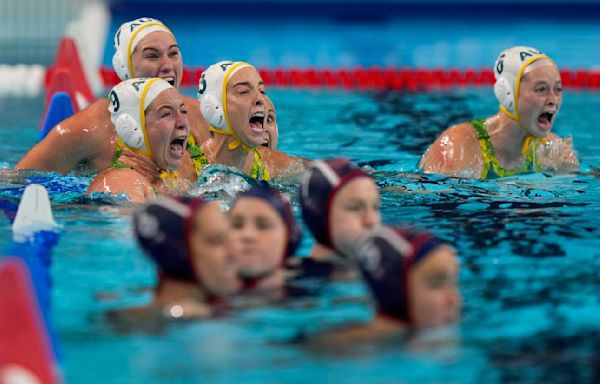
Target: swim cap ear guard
(504,94)
(212,111)
(130,131)
(508,69)
(120,66)
(127,37)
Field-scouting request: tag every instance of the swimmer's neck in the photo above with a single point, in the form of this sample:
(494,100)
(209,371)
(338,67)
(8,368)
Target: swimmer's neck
(384,323)
(218,152)
(323,253)
(143,165)
(274,280)
(171,290)
(506,134)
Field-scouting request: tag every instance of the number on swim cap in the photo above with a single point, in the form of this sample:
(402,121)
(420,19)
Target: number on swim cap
(500,65)
(202,87)
(118,38)
(114,100)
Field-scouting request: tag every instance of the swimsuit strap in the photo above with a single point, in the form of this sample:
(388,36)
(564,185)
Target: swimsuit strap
(115,160)
(490,160)
(197,154)
(488,155)
(259,170)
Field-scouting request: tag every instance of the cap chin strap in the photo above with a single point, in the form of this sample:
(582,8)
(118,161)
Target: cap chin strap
(529,142)
(508,113)
(236,141)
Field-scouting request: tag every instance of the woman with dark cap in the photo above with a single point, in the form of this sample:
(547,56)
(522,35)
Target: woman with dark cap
(187,240)
(264,234)
(339,203)
(412,275)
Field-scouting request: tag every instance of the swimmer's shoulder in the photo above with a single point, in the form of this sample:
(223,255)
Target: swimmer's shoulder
(463,132)
(454,150)
(122,181)
(280,164)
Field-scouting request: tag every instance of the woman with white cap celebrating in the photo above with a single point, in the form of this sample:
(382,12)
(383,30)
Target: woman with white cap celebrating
(150,118)
(517,139)
(144,47)
(232,100)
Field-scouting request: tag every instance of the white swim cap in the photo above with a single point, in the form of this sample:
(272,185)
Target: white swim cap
(127,38)
(212,94)
(128,102)
(508,71)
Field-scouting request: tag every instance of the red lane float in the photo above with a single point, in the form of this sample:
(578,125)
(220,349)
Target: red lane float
(25,350)
(378,78)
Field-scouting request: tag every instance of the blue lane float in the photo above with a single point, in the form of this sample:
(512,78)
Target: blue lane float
(60,108)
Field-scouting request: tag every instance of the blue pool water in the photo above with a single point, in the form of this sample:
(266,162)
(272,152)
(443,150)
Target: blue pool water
(529,249)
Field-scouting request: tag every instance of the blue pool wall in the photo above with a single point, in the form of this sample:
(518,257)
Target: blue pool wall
(350,33)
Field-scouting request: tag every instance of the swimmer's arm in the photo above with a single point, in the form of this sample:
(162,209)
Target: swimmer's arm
(280,164)
(118,181)
(81,137)
(455,151)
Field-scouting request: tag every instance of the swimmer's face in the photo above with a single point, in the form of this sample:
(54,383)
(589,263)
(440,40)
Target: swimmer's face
(271,126)
(210,247)
(434,297)
(157,55)
(540,98)
(167,128)
(259,236)
(354,210)
(246,106)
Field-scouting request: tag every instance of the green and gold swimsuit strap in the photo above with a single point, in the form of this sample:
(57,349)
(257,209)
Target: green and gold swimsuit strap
(259,170)
(115,160)
(492,167)
(197,154)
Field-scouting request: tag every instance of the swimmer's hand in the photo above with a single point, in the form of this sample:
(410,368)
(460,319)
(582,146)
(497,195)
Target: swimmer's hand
(558,156)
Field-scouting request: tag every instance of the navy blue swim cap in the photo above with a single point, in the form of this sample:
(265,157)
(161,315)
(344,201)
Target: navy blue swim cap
(385,255)
(281,204)
(162,228)
(319,185)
